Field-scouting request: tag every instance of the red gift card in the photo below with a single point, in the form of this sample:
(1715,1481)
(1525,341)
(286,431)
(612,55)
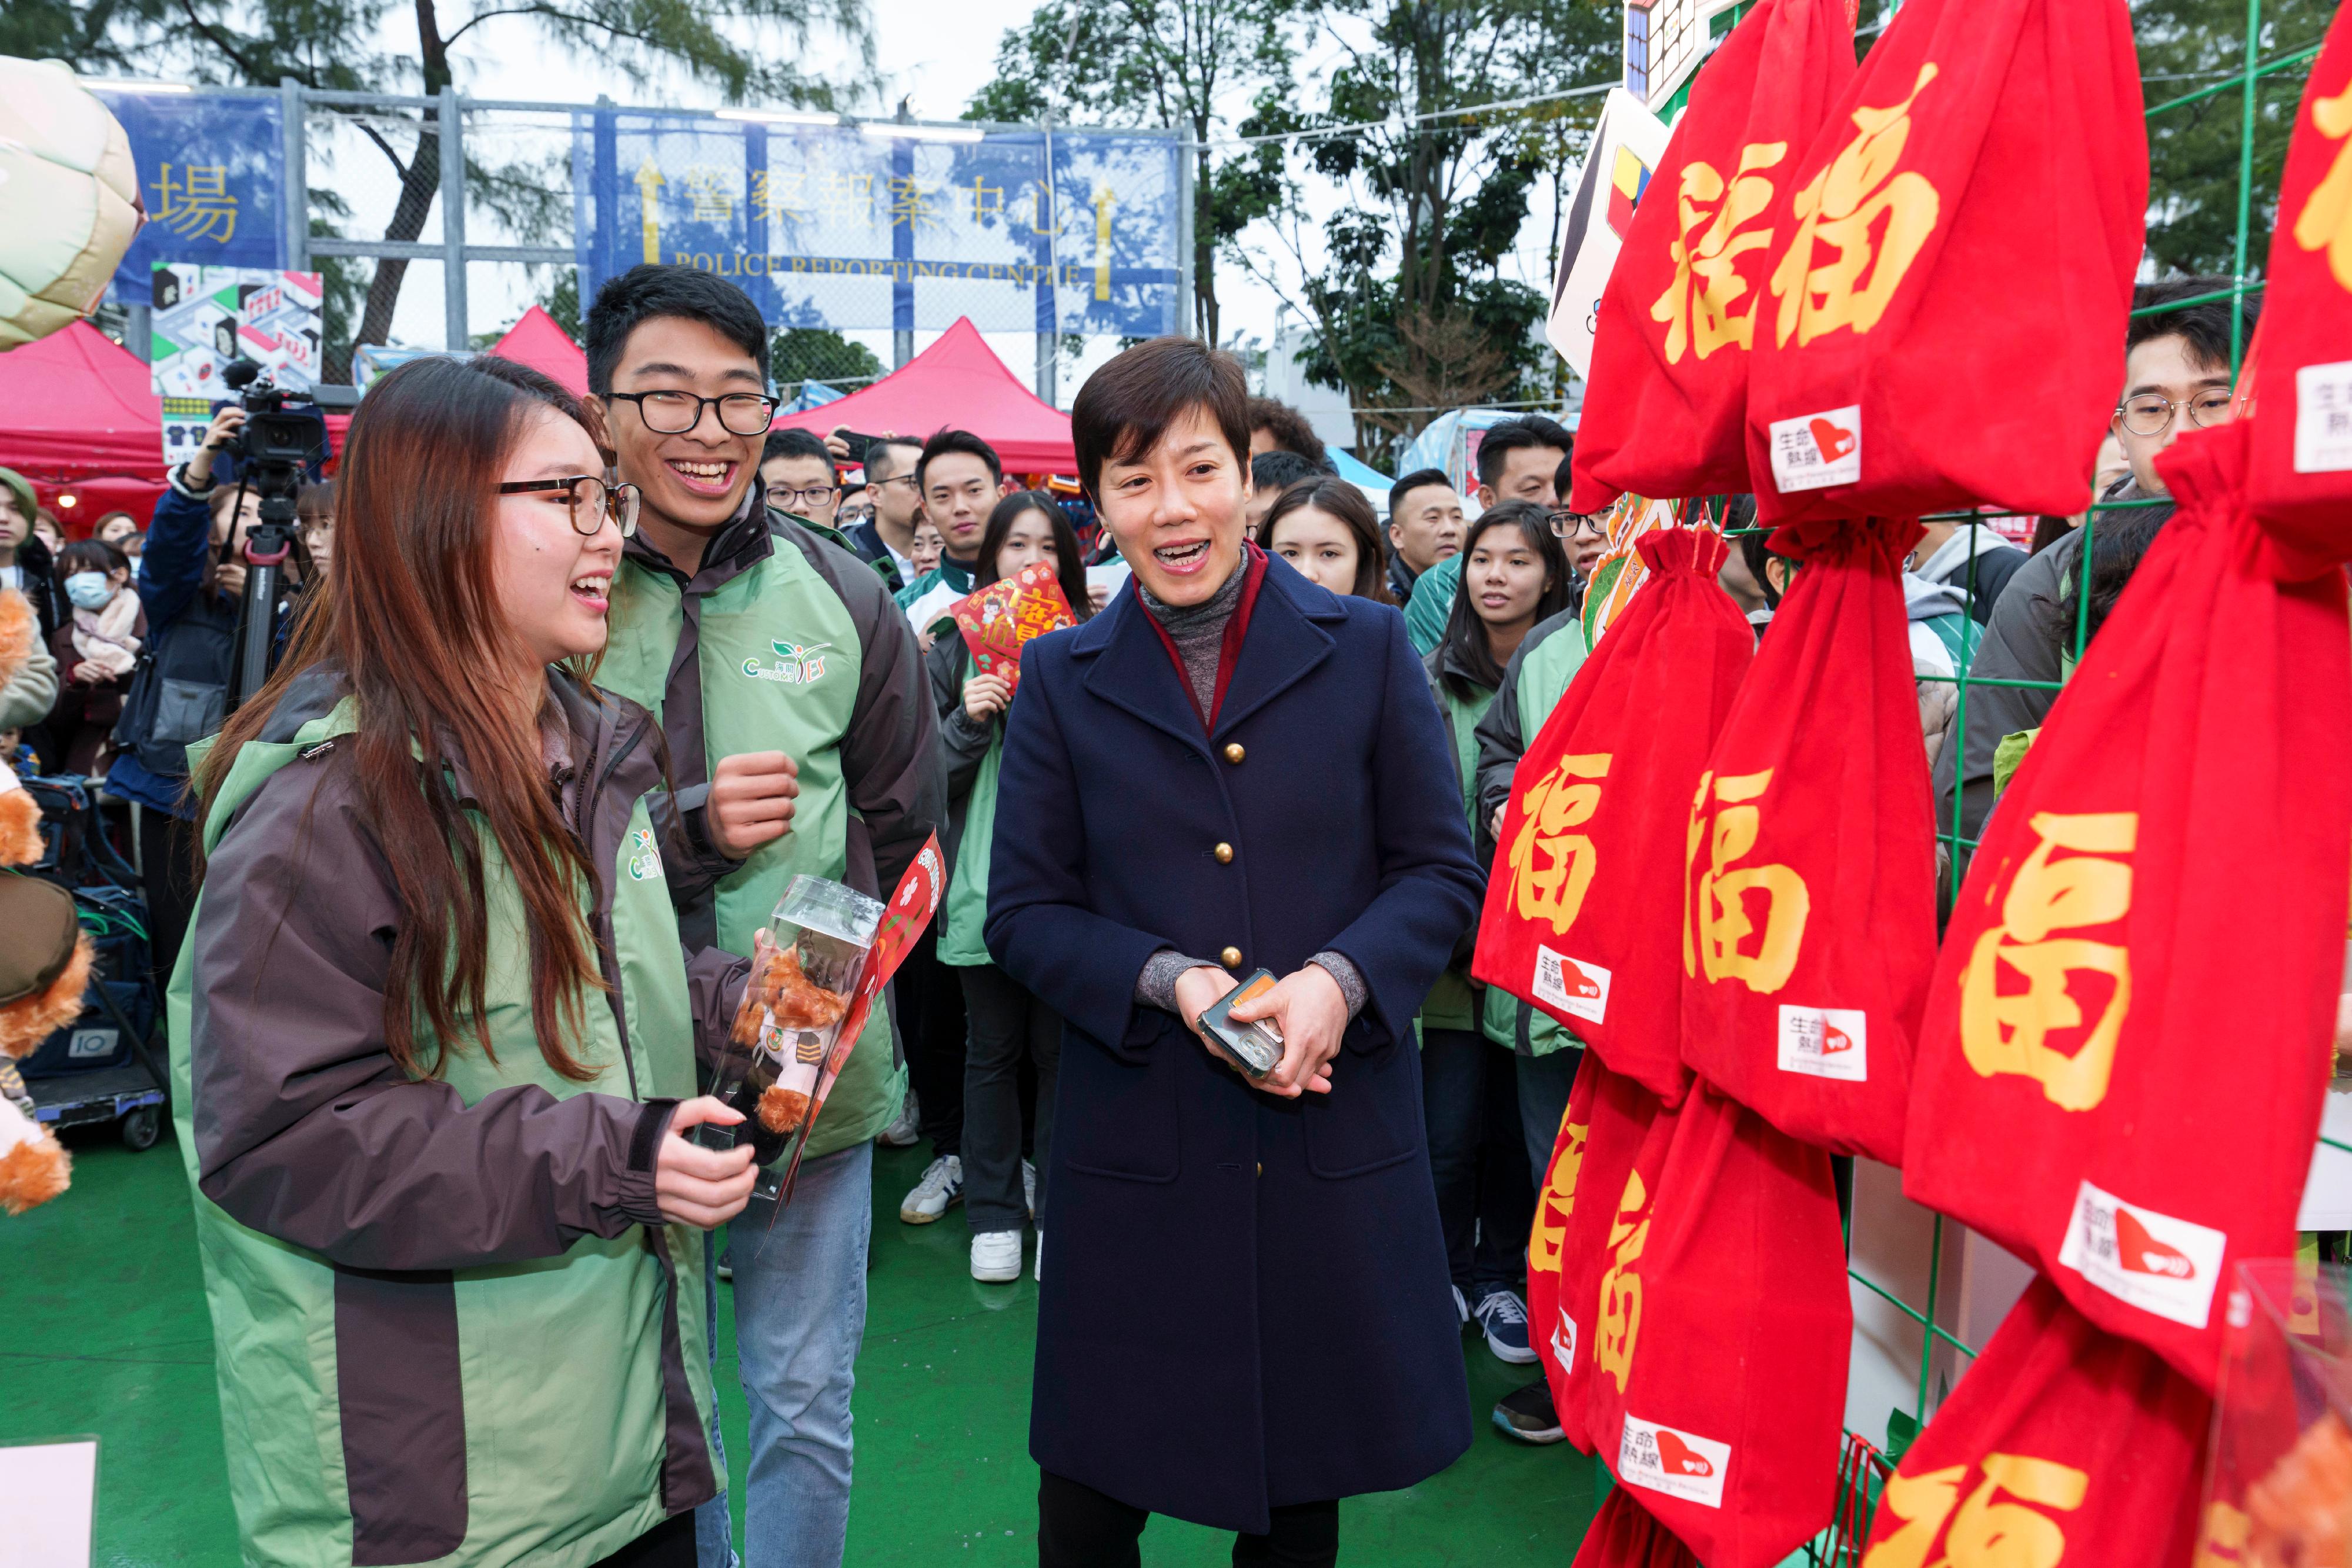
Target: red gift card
(1001,618)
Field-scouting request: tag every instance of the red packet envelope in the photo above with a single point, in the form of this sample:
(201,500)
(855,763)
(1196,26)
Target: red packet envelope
(1000,620)
(912,907)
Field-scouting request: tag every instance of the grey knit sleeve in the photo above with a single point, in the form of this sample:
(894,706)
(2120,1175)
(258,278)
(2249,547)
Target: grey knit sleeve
(1155,987)
(1342,968)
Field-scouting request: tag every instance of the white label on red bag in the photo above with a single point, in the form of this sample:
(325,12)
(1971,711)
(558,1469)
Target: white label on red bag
(1814,451)
(1563,1341)
(2323,418)
(1577,989)
(1825,1042)
(2144,1258)
(1679,1464)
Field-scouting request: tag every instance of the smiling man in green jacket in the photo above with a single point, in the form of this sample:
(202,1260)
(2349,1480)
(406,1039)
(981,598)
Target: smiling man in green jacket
(801,740)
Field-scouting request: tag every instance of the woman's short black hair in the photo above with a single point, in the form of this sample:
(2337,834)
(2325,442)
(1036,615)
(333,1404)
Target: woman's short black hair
(651,291)
(1465,634)
(1127,406)
(91,554)
(1069,561)
(1329,493)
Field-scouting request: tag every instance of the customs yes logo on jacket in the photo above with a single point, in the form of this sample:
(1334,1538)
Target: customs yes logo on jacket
(645,858)
(796,664)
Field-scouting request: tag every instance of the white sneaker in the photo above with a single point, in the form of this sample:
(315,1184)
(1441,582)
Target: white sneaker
(996,1257)
(904,1132)
(942,1185)
(1038,1273)
(1029,1187)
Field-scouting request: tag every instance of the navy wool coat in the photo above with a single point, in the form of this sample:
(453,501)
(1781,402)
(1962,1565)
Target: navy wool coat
(1249,1305)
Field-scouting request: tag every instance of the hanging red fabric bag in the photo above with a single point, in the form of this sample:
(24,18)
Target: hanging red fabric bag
(1552,1334)
(2119,1079)
(1618,1114)
(1666,414)
(1622,1535)
(1577,921)
(2301,477)
(1972,218)
(1610,1240)
(2062,1445)
(1810,871)
(1731,1417)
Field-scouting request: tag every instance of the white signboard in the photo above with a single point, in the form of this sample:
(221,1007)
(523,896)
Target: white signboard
(206,316)
(1627,148)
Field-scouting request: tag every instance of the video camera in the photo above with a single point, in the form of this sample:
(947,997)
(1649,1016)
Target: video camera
(274,453)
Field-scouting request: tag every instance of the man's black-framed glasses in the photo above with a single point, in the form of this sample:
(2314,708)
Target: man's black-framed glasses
(592,501)
(1567,525)
(676,412)
(2150,412)
(793,501)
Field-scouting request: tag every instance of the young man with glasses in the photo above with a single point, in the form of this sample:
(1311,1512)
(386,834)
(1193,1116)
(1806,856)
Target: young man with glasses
(744,630)
(2176,378)
(797,476)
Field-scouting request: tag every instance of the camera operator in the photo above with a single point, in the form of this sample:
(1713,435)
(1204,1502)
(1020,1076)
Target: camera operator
(191,583)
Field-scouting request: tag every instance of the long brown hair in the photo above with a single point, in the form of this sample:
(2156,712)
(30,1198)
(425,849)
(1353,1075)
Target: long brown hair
(413,625)
(1069,561)
(1331,494)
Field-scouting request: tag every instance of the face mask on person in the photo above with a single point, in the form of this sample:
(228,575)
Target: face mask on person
(90,589)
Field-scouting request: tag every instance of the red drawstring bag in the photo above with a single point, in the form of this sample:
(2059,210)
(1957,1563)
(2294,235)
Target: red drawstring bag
(1622,1535)
(1810,871)
(1971,217)
(1732,1412)
(2120,1077)
(2062,1445)
(1553,1335)
(1610,1240)
(1577,921)
(1667,412)
(1617,1117)
(2301,477)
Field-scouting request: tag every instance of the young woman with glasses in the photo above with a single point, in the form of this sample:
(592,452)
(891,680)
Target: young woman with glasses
(432,1040)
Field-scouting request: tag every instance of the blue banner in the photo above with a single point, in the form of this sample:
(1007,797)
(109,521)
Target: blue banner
(212,170)
(852,226)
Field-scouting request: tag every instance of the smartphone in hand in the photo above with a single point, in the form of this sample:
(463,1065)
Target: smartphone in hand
(1257,1045)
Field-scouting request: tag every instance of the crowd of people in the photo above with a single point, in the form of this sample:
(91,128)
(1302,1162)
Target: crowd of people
(569,691)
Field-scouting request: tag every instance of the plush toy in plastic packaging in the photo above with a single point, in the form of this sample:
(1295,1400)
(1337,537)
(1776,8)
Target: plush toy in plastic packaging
(1579,921)
(1737,1331)
(1971,217)
(2121,1075)
(2060,1445)
(2300,477)
(69,201)
(1666,415)
(45,961)
(1809,875)
(2278,1492)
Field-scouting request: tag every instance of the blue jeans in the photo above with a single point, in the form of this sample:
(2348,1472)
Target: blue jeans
(800,1316)
(1469,1095)
(1544,1083)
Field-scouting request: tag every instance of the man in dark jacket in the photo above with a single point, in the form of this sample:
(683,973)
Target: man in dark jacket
(1424,528)
(742,628)
(2177,377)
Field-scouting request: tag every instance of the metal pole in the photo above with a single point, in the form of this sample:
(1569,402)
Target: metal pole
(1185,300)
(294,209)
(453,221)
(1049,325)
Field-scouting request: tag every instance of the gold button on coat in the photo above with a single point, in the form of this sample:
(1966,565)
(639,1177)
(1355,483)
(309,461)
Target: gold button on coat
(1234,752)
(1224,854)
(1231,958)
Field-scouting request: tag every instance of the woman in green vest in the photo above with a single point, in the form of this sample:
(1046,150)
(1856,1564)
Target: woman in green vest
(431,1046)
(1007,1025)
(1514,574)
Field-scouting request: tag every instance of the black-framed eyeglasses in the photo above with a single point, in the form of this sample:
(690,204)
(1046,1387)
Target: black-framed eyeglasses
(590,499)
(676,412)
(1567,525)
(2149,414)
(908,480)
(790,499)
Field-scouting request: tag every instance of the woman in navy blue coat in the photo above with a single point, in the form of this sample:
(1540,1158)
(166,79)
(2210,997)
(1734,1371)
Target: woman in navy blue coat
(1248,1315)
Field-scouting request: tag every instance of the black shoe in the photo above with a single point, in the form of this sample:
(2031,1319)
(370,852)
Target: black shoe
(1526,1415)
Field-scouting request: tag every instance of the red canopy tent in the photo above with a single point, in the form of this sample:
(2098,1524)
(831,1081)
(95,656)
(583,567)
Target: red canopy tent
(958,382)
(78,419)
(537,341)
